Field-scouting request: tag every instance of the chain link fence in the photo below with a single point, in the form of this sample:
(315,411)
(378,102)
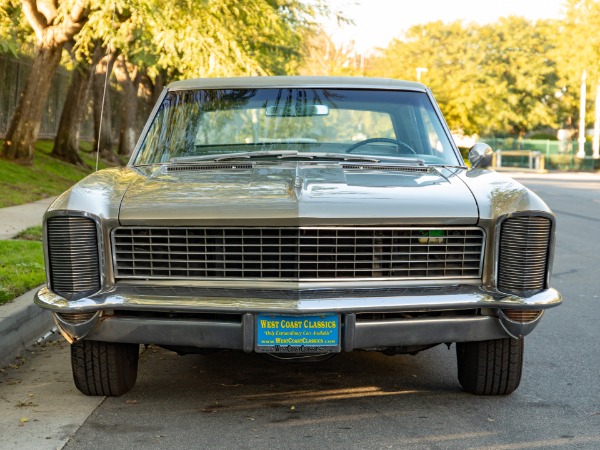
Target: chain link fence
(559,155)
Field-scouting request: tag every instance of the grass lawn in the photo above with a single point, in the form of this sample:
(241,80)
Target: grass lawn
(22,259)
(31,234)
(46,178)
(21,264)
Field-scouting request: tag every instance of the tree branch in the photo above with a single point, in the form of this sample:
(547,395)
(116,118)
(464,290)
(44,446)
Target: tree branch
(73,22)
(37,20)
(120,70)
(79,11)
(48,8)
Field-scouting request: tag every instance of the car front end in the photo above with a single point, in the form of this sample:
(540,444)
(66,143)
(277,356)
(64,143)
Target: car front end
(299,216)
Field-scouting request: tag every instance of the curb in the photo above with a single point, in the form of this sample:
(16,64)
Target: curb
(22,323)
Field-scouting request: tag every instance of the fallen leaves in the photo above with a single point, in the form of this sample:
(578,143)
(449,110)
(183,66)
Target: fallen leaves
(21,404)
(26,403)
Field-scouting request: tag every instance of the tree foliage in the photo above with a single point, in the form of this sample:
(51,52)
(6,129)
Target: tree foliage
(203,38)
(185,38)
(322,56)
(54,23)
(492,78)
(578,49)
(507,77)
(15,34)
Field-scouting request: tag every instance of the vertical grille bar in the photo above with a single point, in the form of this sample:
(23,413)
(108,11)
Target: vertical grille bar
(523,260)
(73,256)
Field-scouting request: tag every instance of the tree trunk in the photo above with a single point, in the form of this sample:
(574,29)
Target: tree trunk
(103,142)
(24,126)
(66,143)
(129,77)
(128,132)
(159,84)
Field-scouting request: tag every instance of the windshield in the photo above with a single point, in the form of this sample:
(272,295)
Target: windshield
(202,123)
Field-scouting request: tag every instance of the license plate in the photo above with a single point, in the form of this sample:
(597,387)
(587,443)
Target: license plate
(298,334)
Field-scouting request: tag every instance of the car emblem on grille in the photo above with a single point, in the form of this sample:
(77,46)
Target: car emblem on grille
(433,237)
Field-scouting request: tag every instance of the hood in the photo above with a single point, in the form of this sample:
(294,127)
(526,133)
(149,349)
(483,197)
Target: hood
(292,193)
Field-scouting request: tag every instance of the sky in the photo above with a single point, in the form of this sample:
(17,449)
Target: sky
(377,22)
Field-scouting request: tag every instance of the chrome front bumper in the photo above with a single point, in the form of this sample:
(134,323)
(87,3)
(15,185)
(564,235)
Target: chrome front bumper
(244,304)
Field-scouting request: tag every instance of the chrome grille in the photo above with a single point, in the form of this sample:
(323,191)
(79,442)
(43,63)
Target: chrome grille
(523,259)
(73,256)
(297,253)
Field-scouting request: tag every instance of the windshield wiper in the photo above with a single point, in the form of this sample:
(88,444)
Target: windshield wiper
(448,166)
(226,156)
(283,154)
(279,154)
(364,158)
(335,156)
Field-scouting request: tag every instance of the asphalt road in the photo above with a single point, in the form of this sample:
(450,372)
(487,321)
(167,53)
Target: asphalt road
(358,400)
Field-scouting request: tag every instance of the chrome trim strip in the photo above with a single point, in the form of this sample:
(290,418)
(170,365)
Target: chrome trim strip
(295,285)
(464,297)
(143,134)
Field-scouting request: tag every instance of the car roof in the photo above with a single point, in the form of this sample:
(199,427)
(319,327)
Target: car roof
(296,82)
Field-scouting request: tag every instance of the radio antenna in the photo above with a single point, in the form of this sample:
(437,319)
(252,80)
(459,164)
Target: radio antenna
(112,28)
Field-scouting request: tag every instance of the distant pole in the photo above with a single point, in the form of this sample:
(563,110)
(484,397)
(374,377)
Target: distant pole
(581,140)
(420,70)
(596,141)
(362,64)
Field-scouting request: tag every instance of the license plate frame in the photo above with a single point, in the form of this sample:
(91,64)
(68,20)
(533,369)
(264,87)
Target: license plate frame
(280,333)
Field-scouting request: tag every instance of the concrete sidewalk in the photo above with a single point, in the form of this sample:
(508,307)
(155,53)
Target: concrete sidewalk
(16,218)
(21,322)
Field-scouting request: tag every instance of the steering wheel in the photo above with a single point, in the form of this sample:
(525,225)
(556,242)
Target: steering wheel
(400,144)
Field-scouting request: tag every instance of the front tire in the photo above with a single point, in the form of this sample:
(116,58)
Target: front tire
(491,367)
(104,368)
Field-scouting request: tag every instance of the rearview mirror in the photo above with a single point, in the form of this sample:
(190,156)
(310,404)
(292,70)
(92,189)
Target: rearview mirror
(480,156)
(297,110)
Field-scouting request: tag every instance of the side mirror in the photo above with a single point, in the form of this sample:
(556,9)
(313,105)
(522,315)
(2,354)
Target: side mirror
(480,156)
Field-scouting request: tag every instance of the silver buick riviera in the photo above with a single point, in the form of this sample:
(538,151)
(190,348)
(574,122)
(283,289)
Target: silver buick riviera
(298,217)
